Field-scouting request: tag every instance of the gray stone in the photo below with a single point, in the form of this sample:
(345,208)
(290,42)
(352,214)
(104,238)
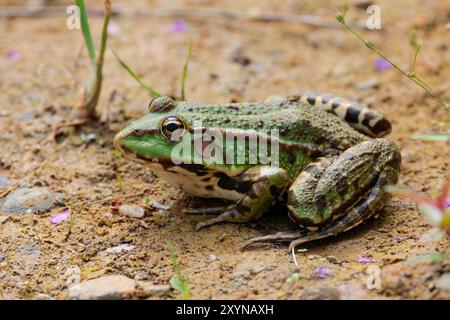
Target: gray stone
(132,210)
(72,275)
(150,289)
(320,293)
(28,200)
(443,282)
(119,249)
(114,287)
(371,83)
(4,182)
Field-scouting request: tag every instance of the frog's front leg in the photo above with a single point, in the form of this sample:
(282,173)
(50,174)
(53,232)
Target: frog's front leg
(267,185)
(336,193)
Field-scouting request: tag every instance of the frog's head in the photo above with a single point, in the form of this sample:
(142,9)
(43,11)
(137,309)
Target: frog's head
(151,138)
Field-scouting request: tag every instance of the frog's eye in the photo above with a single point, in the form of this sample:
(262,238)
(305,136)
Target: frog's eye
(171,125)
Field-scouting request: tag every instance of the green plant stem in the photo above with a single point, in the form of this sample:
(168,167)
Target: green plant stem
(136,77)
(88,103)
(408,75)
(184,73)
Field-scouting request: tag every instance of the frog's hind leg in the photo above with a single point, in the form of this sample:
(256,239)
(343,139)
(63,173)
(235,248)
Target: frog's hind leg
(365,120)
(335,194)
(348,192)
(366,207)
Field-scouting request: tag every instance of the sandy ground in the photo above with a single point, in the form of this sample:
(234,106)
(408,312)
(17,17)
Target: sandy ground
(38,90)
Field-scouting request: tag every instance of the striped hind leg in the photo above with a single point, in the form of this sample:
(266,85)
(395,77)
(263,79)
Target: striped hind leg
(371,203)
(336,193)
(365,120)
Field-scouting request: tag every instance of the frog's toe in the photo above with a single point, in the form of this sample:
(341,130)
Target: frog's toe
(231,216)
(208,210)
(277,237)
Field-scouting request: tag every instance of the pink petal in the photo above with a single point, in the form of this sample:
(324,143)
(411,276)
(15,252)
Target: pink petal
(113,29)
(61,216)
(447,203)
(13,55)
(324,271)
(382,65)
(178,26)
(361,259)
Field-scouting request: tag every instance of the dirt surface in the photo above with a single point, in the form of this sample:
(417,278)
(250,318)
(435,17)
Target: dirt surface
(43,65)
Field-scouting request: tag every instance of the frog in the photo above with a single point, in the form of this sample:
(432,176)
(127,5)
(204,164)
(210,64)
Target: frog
(333,160)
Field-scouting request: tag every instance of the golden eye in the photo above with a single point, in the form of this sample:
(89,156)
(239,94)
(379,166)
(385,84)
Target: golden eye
(170,125)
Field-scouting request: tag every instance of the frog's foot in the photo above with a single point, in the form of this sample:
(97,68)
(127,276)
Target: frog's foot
(207,210)
(277,237)
(334,195)
(266,185)
(370,122)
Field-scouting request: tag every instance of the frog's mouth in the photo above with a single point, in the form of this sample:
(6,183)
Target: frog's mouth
(135,149)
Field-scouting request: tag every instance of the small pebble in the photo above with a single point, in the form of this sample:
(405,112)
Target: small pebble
(212,258)
(113,287)
(120,248)
(443,282)
(28,200)
(132,210)
(371,83)
(332,259)
(3,219)
(4,182)
(154,290)
(72,275)
(256,269)
(320,293)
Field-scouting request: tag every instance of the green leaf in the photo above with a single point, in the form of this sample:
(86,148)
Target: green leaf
(86,30)
(340,17)
(443,137)
(413,39)
(445,222)
(136,77)
(431,213)
(184,74)
(434,257)
(178,285)
(369,44)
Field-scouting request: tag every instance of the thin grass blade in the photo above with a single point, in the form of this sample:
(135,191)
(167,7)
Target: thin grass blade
(184,74)
(136,77)
(86,31)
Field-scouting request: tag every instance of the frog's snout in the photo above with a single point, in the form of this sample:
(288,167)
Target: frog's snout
(117,141)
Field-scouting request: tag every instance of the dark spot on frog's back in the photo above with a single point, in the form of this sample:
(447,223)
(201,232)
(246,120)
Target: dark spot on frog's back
(233,107)
(198,169)
(284,131)
(274,191)
(227,183)
(259,124)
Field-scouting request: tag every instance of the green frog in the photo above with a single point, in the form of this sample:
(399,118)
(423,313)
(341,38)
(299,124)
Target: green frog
(330,169)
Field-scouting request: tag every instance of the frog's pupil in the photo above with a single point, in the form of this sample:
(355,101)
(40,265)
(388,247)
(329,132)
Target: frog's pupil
(171,127)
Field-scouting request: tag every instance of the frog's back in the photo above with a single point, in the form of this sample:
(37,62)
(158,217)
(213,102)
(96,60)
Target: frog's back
(297,122)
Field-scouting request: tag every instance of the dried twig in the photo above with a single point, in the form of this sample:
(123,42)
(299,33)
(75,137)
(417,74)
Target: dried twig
(186,13)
